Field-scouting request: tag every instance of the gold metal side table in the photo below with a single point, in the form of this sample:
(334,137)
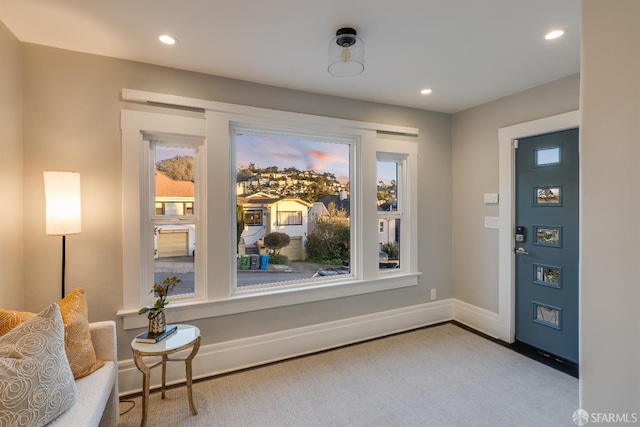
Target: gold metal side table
(186,336)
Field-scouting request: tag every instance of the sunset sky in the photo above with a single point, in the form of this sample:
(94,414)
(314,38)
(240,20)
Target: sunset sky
(302,154)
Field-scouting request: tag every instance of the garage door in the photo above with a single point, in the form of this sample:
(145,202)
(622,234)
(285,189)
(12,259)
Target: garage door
(294,250)
(173,243)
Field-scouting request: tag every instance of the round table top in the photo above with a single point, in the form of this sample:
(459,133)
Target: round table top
(185,335)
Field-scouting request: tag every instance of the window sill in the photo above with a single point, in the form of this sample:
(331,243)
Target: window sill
(271,298)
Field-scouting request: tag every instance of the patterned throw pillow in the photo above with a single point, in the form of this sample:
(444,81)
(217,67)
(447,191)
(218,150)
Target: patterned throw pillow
(77,338)
(36,382)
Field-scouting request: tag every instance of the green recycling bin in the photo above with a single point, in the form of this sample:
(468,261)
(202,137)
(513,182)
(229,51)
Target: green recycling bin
(244,262)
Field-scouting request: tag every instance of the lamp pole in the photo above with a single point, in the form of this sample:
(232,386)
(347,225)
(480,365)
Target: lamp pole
(64,240)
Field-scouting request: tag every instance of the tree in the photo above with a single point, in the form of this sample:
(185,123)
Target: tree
(336,212)
(239,223)
(178,168)
(329,240)
(391,249)
(244,175)
(314,192)
(387,193)
(276,241)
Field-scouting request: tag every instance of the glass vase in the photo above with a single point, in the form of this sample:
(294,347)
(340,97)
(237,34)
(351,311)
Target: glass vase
(157,322)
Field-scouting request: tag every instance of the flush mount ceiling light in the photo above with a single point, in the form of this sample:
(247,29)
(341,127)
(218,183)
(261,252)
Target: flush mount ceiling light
(346,54)
(426,91)
(167,39)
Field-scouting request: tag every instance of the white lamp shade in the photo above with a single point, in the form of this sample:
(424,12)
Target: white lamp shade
(62,200)
(346,59)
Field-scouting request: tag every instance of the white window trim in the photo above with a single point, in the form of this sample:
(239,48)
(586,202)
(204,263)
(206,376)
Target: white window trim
(215,129)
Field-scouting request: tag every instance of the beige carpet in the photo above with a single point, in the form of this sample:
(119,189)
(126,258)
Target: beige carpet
(438,376)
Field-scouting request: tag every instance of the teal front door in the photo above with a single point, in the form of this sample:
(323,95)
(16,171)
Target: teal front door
(546,243)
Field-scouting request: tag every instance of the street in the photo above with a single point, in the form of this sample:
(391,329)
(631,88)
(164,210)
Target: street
(245,278)
(182,268)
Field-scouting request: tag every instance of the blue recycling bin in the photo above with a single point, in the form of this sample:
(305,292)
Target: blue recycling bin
(264,261)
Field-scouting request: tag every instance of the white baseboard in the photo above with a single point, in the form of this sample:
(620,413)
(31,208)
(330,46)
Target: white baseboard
(230,356)
(214,359)
(477,318)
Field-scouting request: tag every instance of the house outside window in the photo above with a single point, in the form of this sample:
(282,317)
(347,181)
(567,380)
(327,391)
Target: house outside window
(174,208)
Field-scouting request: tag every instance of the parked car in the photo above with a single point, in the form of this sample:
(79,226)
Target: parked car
(331,271)
(383,261)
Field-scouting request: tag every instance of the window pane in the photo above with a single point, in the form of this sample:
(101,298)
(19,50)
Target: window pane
(172,208)
(548,156)
(297,186)
(387,177)
(253,218)
(389,256)
(175,256)
(389,223)
(175,196)
(547,315)
(174,180)
(290,218)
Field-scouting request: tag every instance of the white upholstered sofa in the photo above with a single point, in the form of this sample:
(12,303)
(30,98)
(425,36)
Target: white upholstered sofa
(97,401)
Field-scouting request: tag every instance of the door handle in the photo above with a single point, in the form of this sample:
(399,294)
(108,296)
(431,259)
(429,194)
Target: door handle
(521,251)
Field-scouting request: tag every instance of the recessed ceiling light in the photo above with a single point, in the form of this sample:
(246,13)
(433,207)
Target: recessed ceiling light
(554,34)
(167,39)
(426,91)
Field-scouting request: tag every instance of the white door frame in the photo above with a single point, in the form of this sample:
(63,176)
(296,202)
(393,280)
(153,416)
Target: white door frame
(506,256)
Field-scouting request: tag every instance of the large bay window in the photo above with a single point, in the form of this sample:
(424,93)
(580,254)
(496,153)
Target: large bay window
(201,193)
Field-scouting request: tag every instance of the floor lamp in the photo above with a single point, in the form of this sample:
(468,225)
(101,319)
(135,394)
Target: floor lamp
(63,213)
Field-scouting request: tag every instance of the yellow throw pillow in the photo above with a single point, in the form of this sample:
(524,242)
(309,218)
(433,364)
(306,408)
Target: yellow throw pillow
(77,338)
(10,319)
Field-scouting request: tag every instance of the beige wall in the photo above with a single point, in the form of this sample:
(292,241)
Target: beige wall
(11,284)
(475,172)
(610,273)
(72,105)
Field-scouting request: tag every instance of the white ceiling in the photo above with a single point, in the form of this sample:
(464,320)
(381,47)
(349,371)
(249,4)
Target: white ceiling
(467,51)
